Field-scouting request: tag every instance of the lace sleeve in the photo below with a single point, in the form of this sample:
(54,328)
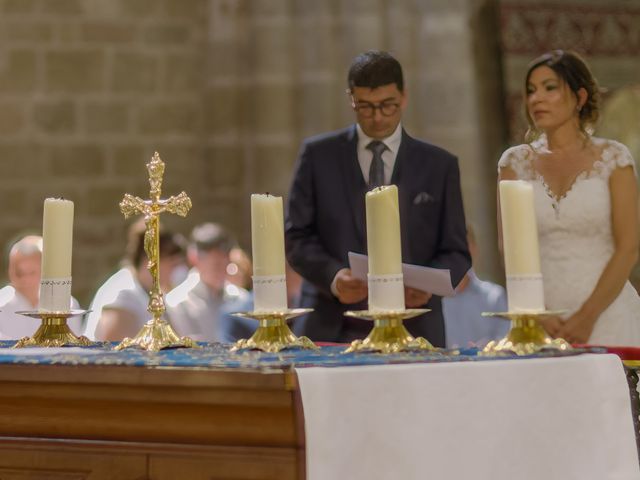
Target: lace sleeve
(518,159)
(617,155)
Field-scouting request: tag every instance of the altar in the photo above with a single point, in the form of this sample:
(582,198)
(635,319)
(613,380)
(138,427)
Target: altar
(208,414)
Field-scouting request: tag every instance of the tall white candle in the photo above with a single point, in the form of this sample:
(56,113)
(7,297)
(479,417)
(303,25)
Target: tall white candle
(267,235)
(386,289)
(520,246)
(519,229)
(267,245)
(383,231)
(57,240)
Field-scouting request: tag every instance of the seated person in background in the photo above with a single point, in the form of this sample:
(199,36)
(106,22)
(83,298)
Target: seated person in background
(23,291)
(240,268)
(463,321)
(200,307)
(120,304)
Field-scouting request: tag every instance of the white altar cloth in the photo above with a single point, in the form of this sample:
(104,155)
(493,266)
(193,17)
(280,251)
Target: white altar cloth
(527,419)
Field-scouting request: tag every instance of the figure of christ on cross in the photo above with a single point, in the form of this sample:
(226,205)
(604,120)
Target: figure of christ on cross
(151,209)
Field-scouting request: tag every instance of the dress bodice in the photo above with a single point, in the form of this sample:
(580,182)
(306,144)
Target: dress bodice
(577,224)
(575,230)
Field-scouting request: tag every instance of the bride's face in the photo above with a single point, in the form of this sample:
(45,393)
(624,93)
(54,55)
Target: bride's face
(550,101)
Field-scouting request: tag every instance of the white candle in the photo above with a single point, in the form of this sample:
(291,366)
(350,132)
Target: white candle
(520,246)
(386,288)
(57,239)
(519,229)
(267,235)
(267,244)
(383,231)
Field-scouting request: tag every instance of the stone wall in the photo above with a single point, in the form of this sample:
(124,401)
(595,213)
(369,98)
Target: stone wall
(225,90)
(277,73)
(88,91)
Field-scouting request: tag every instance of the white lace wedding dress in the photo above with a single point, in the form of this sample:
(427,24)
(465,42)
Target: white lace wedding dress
(576,239)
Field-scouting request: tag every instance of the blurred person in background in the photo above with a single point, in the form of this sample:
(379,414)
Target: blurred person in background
(119,308)
(201,306)
(463,321)
(240,268)
(23,291)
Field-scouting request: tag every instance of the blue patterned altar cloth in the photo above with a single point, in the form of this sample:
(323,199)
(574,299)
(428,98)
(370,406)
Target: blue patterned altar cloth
(215,355)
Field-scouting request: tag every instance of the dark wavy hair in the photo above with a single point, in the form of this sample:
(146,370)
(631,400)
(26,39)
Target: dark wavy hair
(573,70)
(374,69)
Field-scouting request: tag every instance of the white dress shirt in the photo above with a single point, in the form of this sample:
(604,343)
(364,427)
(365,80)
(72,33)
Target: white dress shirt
(365,156)
(14,326)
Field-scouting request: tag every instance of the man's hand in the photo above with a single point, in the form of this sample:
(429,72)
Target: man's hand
(348,288)
(415,298)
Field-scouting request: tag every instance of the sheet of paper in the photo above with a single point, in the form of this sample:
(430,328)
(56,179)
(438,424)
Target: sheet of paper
(427,279)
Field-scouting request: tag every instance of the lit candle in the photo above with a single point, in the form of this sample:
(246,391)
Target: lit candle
(57,239)
(386,289)
(520,246)
(267,243)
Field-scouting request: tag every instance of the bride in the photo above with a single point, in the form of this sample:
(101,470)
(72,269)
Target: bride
(586,205)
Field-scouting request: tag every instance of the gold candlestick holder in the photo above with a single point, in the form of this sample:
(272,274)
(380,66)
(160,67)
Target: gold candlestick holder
(273,333)
(54,331)
(526,335)
(156,333)
(389,335)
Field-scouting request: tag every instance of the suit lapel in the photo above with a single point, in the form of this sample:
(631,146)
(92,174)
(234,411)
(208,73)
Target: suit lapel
(355,187)
(403,164)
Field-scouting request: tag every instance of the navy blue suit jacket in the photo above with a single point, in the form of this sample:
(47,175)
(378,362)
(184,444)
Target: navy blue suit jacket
(326,220)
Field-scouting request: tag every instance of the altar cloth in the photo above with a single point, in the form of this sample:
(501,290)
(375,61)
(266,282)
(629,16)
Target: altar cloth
(547,418)
(216,355)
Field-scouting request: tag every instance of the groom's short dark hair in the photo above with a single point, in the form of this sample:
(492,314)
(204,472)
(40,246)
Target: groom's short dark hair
(374,69)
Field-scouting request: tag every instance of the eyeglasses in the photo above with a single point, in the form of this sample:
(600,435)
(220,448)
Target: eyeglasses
(368,109)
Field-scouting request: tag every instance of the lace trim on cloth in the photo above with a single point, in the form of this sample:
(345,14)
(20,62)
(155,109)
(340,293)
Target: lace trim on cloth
(613,155)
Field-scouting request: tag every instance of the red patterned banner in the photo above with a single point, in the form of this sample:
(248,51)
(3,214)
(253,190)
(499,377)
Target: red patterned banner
(532,28)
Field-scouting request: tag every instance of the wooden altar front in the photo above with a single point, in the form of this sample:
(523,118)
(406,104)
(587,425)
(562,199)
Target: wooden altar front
(155,423)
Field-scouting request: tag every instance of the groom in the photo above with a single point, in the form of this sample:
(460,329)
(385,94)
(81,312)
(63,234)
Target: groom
(326,207)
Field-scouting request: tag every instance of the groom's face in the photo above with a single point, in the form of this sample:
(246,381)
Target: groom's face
(378,110)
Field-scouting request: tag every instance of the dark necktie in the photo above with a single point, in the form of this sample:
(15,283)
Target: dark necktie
(376,170)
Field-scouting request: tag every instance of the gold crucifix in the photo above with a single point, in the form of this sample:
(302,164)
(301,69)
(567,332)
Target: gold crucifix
(156,333)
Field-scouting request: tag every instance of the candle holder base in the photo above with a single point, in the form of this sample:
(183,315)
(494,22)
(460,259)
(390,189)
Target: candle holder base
(54,331)
(273,333)
(157,334)
(526,336)
(389,335)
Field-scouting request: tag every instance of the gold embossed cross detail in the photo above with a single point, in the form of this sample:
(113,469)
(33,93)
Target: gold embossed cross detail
(157,333)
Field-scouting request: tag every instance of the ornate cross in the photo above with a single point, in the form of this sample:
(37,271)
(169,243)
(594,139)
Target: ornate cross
(151,209)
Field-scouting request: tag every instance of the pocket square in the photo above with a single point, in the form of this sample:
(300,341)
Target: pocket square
(422,197)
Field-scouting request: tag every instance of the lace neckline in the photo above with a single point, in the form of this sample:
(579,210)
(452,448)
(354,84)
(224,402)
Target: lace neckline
(557,199)
(540,146)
